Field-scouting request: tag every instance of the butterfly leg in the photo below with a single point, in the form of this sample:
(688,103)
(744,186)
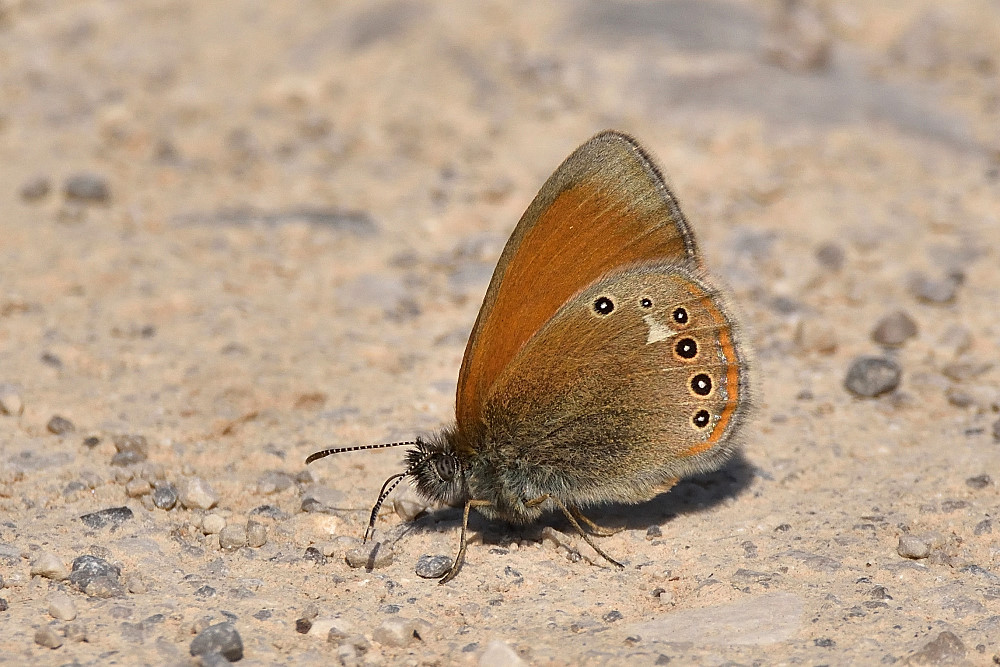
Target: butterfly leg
(576,524)
(463,542)
(594,529)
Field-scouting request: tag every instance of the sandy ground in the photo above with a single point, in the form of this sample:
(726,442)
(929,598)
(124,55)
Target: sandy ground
(235,233)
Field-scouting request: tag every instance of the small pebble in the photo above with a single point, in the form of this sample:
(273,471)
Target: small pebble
(395,631)
(61,607)
(197,494)
(913,547)
(996,430)
(10,401)
(979,481)
(408,506)
(433,567)
(869,377)
(87,187)
(256,534)
(213,524)
(75,632)
(500,654)
(653,532)
(91,441)
(164,496)
(319,498)
(894,329)
(945,649)
(666,598)
(113,517)
(303,625)
(936,290)
(137,488)
(50,566)
(830,256)
(233,536)
(612,616)
(3,605)
(221,638)
(369,556)
(36,188)
(129,457)
(812,335)
(48,638)
(89,568)
(60,425)
(274,481)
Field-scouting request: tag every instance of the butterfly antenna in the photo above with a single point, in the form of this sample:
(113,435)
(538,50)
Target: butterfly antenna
(387,488)
(341,450)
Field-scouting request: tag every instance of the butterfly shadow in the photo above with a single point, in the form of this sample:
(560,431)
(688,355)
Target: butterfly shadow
(692,494)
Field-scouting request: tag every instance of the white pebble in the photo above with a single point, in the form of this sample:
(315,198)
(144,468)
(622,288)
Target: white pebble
(50,566)
(500,654)
(213,524)
(61,606)
(233,536)
(196,493)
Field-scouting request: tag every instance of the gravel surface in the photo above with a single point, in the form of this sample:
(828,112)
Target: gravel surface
(236,233)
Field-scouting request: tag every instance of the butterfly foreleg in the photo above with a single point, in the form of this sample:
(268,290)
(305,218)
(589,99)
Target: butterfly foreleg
(463,542)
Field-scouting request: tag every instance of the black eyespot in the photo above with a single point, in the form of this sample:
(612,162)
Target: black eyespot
(686,348)
(701,384)
(604,306)
(646,302)
(680,315)
(701,419)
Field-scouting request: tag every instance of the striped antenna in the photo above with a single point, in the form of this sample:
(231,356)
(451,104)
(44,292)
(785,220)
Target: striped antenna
(387,488)
(341,450)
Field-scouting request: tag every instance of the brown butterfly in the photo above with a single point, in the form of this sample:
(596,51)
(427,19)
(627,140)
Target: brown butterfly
(603,366)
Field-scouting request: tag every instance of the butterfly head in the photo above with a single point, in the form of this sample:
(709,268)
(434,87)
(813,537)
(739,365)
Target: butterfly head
(438,471)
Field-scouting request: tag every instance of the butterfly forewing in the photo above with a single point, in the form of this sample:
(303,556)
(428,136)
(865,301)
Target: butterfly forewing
(606,206)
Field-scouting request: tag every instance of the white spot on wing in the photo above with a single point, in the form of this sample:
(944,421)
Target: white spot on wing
(657,330)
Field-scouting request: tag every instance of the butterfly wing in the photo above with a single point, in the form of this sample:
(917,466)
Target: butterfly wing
(606,206)
(637,380)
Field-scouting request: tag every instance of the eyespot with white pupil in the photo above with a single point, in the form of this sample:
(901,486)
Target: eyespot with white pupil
(701,384)
(646,302)
(603,306)
(686,348)
(680,315)
(701,419)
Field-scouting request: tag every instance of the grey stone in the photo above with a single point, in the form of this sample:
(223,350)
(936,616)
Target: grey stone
(35,188)
(221,638)
(911,546)
(763,619)
(369,556)
(318,498)
(256,534)
(88,568)
(87,187)
(164,496)
(813,561)
(274,481)
(830,256)
(894,329)
(937,291)
(47,637)
(196,493)
(50,566)
(60,425)
(433,567)
(125,442)
(500,654)
(944,649)
(113,517)
(979,481)
(233,536)
(869,377)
